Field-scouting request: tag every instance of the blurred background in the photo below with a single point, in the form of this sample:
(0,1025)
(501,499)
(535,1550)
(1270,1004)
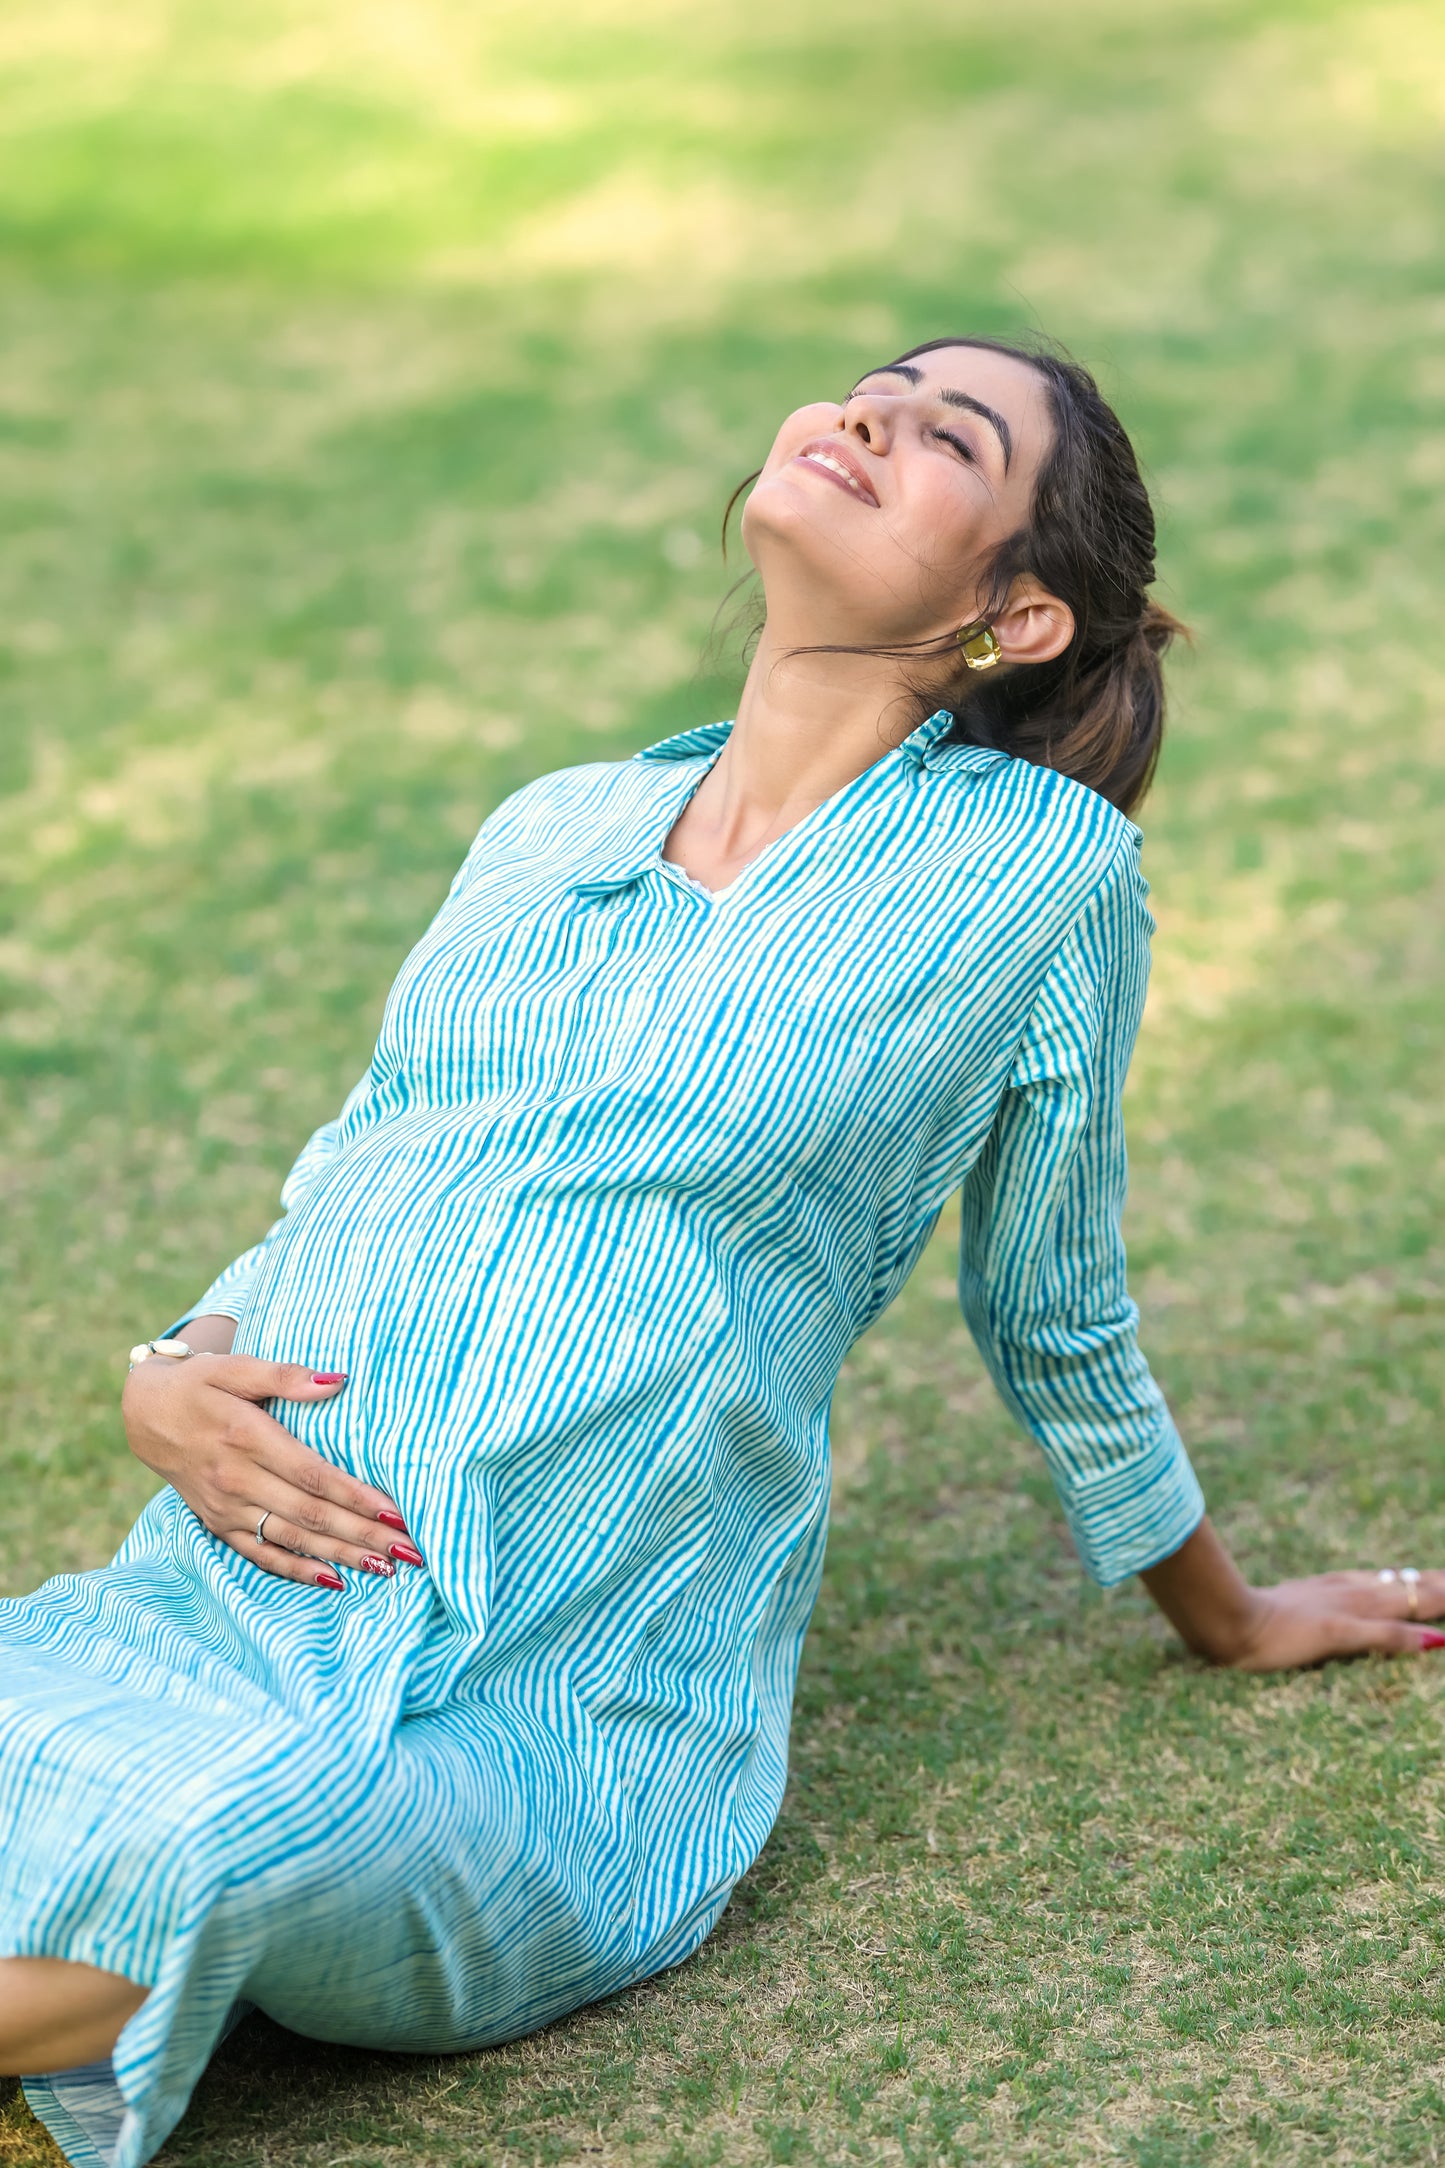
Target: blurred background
(372,378)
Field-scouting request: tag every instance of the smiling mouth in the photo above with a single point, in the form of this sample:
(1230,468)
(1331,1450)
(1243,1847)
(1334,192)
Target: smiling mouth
(837,471)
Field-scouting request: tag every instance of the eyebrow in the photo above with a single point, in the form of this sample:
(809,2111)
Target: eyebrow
(949,397)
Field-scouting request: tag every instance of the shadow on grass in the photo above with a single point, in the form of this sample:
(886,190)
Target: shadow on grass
(265,2079)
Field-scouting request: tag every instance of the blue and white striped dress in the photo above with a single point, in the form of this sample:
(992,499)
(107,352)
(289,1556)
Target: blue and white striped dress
(631,1170)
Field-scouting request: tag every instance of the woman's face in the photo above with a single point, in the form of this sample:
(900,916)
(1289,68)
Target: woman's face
(872,521)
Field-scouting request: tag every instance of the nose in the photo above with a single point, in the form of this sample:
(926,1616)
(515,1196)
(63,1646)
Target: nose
(867,418)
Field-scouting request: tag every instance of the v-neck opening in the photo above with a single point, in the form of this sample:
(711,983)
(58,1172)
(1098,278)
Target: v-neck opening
(695,887)
(913,749)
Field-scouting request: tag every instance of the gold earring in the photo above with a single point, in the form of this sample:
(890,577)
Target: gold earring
(980,649)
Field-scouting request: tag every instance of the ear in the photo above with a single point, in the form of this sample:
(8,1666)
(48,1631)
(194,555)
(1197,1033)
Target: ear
(1033,625)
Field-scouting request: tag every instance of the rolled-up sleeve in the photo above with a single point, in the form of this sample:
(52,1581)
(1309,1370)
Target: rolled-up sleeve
(1042,1272)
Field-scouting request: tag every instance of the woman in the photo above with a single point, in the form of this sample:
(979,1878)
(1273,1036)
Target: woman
(663,1108)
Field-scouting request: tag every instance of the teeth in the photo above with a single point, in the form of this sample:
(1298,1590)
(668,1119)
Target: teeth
(835,466)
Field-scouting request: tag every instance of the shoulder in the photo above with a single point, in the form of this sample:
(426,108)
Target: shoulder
(592,782)
(1088,908)
(1036,808)
(596,792)
(546,811)
(1058,847)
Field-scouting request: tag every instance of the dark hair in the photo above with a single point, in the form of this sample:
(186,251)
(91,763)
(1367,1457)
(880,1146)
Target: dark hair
(1095,712)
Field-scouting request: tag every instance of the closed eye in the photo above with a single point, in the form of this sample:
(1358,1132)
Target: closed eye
(960,444)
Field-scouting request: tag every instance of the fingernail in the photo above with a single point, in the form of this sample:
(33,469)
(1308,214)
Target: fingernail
(390,1518)
(407,1553)
(327,1579)
(372,1564)
(1431,1640)
(328,1377)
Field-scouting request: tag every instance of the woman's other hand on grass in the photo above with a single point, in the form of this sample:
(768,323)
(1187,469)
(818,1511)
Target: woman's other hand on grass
(1205,1597)
(1342,1614)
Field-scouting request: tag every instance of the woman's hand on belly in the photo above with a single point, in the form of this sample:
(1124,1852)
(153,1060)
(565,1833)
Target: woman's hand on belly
(196,1423)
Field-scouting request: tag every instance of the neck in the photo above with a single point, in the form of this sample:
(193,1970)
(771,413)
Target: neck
(806,726)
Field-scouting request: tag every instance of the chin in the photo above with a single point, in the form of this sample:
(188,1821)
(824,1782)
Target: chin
(788,517)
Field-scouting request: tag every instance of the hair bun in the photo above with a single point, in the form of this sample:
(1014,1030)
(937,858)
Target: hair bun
(1159,627)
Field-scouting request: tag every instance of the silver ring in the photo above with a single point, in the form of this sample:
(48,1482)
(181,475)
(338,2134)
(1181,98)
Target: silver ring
(261,1527)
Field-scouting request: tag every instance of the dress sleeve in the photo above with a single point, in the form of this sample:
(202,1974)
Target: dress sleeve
(1041,1268)
(230,1292)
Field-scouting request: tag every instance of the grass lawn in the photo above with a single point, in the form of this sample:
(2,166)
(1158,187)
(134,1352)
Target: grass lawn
(371,379)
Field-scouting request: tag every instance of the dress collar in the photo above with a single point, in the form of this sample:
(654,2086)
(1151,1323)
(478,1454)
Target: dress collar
(707,738)
(919,743)
(694,744)
(640,853)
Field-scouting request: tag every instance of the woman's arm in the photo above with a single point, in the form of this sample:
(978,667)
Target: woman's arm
(1211,1606)
(230,1292)
(1042,1274)
(198,1424)
(1042,1281)
(213,1335)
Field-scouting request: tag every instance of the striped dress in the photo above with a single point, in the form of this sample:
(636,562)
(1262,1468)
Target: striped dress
(631,1170)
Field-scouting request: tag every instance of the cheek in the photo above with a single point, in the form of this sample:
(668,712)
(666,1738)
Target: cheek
(807,422)
(943,528)
(949,517)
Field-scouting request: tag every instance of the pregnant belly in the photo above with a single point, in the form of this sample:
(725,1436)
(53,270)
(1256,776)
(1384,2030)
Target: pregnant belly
(460,1259)
(481,1317)
(568,1393)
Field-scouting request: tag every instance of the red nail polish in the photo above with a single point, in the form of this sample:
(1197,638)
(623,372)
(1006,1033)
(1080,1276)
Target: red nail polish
(390,1518)
(372,1564)
(1429,1639)
(328,1377)
(327,1579)
(407,1553)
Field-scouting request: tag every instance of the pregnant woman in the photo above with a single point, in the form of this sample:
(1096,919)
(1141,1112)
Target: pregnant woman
(461,1697)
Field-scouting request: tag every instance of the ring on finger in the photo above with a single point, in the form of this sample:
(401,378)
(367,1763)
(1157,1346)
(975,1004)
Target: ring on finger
(1409,1576)
(261,1526)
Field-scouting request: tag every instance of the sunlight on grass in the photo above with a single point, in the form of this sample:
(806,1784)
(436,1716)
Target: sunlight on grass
(372,378)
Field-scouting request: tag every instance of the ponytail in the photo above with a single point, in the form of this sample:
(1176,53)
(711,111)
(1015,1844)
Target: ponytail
(1101,721)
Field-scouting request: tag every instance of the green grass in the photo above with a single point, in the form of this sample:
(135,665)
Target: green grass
(371,380)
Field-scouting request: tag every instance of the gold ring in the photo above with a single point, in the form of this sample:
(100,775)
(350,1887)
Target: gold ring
(1410,1577)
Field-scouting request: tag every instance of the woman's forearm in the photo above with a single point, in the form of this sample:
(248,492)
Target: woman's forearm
(1206,1598)
(210,1335)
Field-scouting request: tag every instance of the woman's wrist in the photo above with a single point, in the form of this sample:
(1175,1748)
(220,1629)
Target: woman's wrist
(1231,1636)
(1207,1600)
